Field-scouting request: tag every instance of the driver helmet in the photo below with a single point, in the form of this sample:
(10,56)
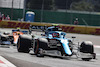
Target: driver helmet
(18,28)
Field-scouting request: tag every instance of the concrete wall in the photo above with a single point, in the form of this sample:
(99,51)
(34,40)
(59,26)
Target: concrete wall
(8,3)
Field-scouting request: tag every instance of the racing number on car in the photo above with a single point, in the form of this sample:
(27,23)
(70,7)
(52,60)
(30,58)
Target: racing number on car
(55,34)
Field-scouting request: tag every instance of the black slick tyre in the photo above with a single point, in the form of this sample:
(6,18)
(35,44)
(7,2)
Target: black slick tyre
(24,43)
(87,47)
(40,45)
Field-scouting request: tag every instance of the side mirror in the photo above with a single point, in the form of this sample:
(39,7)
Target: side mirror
(73,37)
(42,34)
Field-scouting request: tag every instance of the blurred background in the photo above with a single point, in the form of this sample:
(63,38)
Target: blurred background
(87,12)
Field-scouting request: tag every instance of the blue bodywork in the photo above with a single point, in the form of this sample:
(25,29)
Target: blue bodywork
(62,39)
(66,46)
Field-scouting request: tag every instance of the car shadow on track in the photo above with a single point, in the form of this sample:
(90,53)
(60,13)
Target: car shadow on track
(53,56)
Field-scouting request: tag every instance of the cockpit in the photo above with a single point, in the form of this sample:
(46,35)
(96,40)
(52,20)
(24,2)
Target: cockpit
(53,28)
(56,34)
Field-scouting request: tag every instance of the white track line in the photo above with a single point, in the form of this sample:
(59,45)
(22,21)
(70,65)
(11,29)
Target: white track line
(5,63)
(96,46)
(98,54)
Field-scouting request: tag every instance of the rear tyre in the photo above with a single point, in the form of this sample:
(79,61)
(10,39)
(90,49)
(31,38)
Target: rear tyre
(40,45)
(24,43)
(40,53)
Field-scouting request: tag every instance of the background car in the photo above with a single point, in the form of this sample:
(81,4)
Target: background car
(5,38)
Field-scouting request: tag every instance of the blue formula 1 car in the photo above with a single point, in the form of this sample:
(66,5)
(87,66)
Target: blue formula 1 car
(54,42)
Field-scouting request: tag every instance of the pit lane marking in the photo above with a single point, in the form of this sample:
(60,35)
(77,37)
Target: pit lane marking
(5,63)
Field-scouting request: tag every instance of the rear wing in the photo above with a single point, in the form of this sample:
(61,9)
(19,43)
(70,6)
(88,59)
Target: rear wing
(37,28)
(44,28)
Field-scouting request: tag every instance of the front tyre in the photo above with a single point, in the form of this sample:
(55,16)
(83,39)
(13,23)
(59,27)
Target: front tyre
(86,47)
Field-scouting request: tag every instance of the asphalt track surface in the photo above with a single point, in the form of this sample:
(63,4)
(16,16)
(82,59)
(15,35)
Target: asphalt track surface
(30,60)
